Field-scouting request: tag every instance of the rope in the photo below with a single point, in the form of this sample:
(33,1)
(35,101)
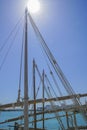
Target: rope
(56,114)
(56,67)
(5,57)
(10,34)
(20,76)
(56,85)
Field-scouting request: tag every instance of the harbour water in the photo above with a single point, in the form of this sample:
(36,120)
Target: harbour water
(51,124)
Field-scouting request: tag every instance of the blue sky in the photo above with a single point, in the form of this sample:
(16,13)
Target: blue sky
(63,24)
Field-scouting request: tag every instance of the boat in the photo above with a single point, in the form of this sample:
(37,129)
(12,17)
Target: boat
(69,110)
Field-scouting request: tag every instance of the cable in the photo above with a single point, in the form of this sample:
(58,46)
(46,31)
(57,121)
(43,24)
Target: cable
(56,114)
(56,67)
(2,47)
(8,50)
(20,76)
(56,85)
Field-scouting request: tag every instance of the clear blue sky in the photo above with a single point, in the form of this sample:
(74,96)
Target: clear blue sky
(63,24)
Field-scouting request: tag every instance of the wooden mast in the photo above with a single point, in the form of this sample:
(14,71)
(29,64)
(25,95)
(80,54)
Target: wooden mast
(26,76)
(35,125)
(43,97)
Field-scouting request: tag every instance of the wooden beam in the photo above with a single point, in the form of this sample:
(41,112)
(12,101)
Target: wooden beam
(18,104)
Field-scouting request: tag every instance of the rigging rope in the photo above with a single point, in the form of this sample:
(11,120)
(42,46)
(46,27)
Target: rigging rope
(50,85)
(10,34)
(56,114)
(52,75)
(56,85)
(56,67)
(50,56)
(52,89)
(12,42)
(48,81)
(20,76)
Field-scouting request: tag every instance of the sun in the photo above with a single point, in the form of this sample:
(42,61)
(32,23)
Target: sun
(33,6)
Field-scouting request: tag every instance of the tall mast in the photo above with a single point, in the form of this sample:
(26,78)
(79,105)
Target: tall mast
(34,80)
(43,95)
(26,75)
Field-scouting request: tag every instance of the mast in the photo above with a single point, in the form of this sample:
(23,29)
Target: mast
(35,125)
(26,76)
(43,96)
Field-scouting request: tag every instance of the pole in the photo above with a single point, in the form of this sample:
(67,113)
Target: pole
(43,98)
(75,122)
(67,120)
(34,94)
(26,76)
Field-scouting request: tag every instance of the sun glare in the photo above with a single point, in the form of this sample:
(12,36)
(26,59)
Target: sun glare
(33,6)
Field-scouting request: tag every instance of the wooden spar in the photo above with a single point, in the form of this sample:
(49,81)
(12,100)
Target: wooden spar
(75,122)
(17,104)
(40,113)
(43,96)
(35,126)
(67,119)
(30,115)
(71,128)
(26,76)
